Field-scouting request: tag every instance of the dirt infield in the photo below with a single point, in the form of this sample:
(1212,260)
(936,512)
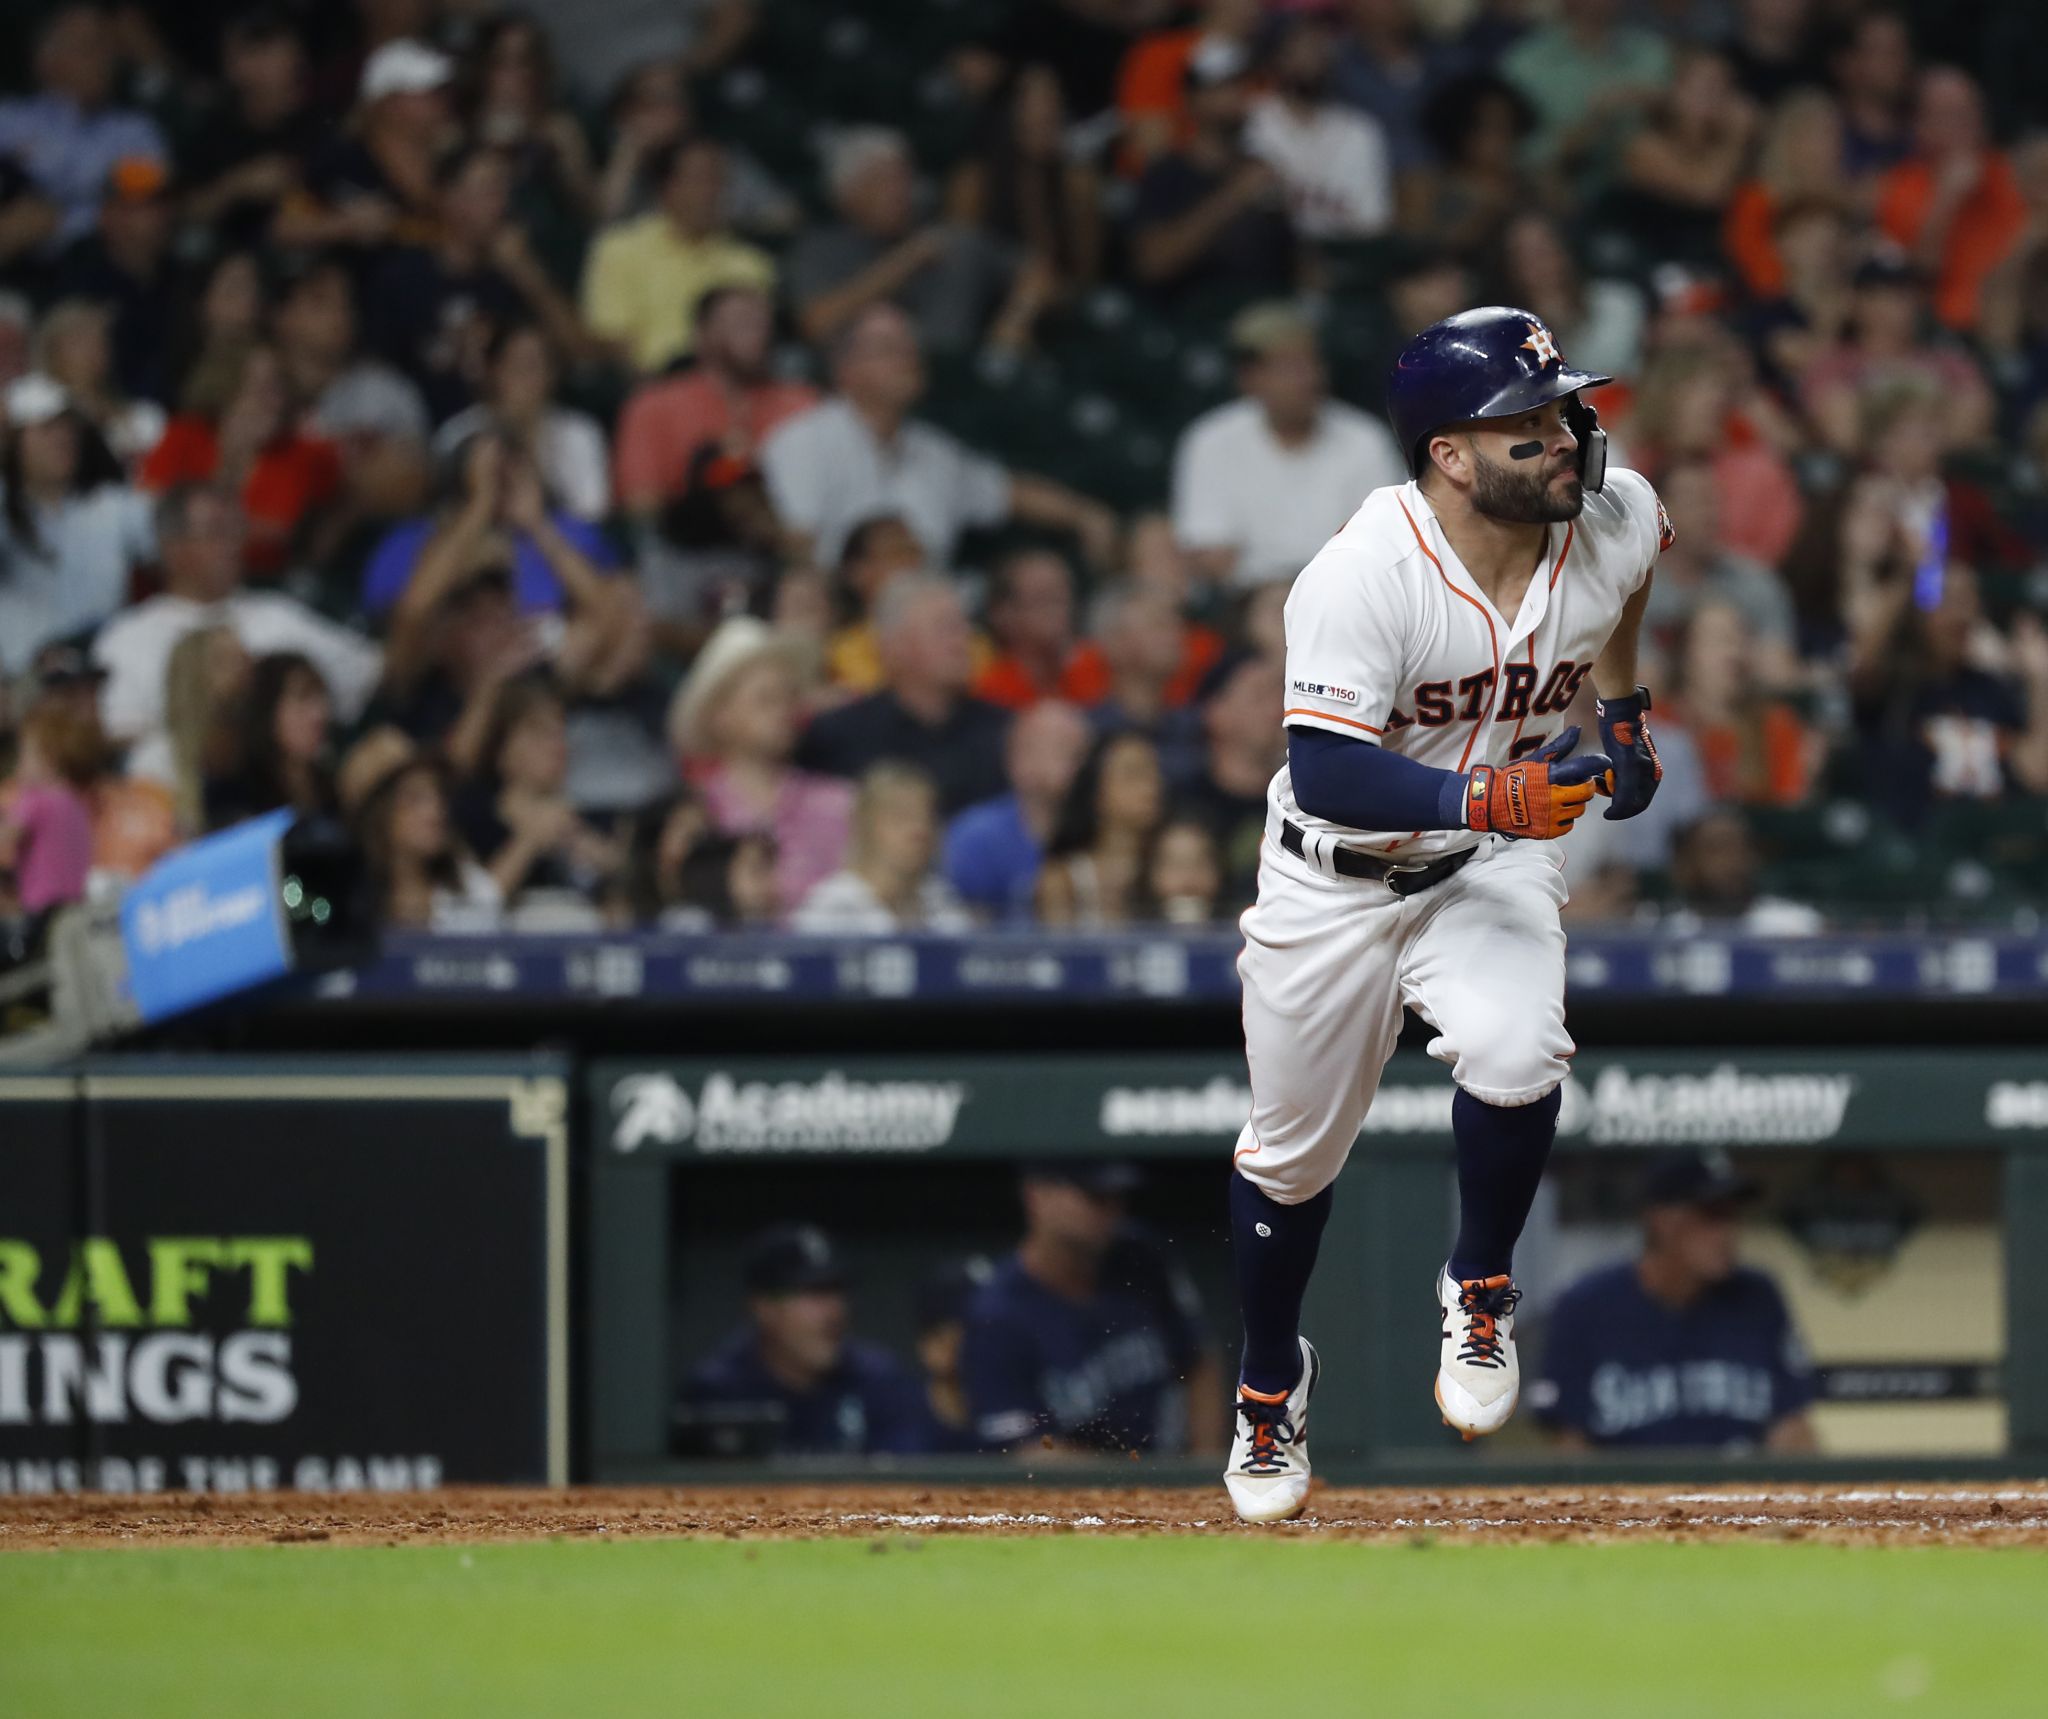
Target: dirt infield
(1979,1515)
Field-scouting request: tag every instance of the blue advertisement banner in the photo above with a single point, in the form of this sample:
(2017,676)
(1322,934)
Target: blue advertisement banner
(207,921)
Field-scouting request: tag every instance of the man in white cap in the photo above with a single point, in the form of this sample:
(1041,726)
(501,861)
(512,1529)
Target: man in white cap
(377,187)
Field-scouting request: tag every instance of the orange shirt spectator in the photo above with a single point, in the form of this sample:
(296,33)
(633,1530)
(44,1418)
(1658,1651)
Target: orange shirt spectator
(1955,205)
(1765,762)
(666,424)
(1150,94)
(1799,164)
(289,477)
(134,824)
(1981,234)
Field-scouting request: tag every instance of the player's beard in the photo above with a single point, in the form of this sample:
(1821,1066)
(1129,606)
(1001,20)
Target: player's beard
(1518,498)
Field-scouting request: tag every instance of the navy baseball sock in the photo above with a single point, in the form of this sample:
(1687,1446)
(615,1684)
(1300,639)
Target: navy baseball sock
(1501,1153)
(1275,1249)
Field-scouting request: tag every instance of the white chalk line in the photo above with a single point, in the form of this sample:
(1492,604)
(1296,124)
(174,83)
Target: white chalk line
(1478,1524)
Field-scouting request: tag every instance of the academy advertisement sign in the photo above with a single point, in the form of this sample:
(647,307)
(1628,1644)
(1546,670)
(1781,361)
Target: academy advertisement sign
(1151,1104)
(229,1284)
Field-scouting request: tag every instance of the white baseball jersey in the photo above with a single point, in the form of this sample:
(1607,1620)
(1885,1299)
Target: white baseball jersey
(1390,641)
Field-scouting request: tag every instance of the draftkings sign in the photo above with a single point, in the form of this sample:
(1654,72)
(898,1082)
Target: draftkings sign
(324,1284)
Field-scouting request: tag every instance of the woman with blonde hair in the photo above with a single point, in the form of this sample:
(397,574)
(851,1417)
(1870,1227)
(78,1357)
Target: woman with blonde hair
(205,685)
(1798,166)
(889,884)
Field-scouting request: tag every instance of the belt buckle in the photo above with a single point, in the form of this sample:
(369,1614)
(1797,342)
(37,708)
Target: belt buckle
(1396,872)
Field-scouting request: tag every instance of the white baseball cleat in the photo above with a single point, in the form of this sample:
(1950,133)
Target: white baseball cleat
(1478,1378)
(1268,1474)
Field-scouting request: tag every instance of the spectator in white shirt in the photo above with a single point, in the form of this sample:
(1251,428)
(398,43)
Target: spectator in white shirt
(861,453)
(1332,158)
(199,546)
(71,532)
(889,884)
(1260,484)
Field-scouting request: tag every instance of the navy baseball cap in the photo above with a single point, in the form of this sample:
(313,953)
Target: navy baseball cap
(1687,1178)
(943,1293)
(1110,1179)
(787,1259)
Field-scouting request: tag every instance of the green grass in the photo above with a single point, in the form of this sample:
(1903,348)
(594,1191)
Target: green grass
(1051,1628)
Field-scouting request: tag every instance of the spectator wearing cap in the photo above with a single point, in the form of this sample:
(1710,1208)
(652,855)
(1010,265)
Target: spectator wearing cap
(1333,159)
(923,715)
(1680,1345)
(728,400)
(1087,1336)
(199,547)
(860,453)
(134,821)
(1954,203)
(520,377)
(946,1425)
(945,277)
(993,850)
(125,263)
(734,727)
(1588,76)
(72,533)
(70,134)
(889,884)
(645,275)
(375,185)
(1261,484)
(432,309)
(1210,217)
(1243,743)
(252,151)
(1152,83)
(794,1368)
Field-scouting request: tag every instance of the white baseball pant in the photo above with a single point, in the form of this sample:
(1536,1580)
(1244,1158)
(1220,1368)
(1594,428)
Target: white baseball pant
(1328,964)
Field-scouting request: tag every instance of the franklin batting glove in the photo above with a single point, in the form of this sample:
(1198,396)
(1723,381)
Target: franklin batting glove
(1539,798)
(1625,732)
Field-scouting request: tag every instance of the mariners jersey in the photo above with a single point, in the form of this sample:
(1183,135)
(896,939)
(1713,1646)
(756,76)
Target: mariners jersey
(1390,641)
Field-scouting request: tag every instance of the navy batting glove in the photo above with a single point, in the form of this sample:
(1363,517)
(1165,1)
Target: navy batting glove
(1625,732)
(1566,771)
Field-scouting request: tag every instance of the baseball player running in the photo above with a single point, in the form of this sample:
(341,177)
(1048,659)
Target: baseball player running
(1411,858)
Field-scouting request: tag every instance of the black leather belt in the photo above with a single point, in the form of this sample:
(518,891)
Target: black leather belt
(1401,879)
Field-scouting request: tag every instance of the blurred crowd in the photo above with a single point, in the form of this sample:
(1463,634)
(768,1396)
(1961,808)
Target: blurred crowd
(452,421)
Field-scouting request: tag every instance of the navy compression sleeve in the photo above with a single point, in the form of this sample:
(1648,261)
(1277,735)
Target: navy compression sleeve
(1363,786)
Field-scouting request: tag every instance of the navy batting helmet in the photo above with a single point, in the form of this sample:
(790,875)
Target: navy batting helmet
(1489,363)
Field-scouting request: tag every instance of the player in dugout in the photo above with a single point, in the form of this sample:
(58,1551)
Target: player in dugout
(1680,1345)
(792,1377)
(1086,1338)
